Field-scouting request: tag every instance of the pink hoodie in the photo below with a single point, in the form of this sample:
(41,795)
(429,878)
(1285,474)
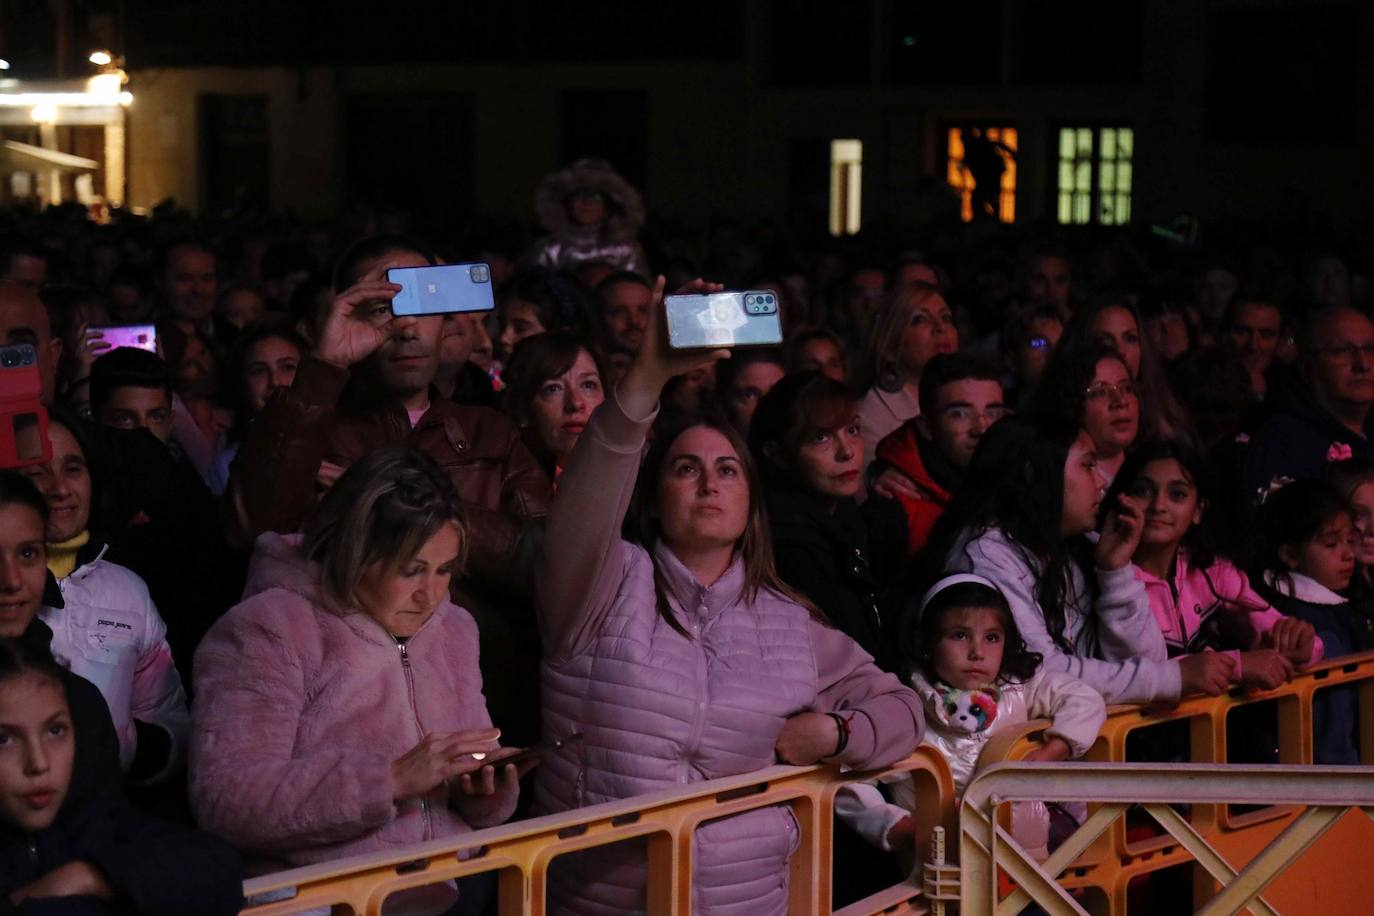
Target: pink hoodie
(300,712)
(1197,595)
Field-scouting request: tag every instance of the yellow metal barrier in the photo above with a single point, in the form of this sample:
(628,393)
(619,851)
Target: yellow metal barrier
(1114,858)
(1100,861)
(520,853)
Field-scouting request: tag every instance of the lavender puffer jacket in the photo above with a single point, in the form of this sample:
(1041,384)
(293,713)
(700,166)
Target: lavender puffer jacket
(659,710)
(300,712)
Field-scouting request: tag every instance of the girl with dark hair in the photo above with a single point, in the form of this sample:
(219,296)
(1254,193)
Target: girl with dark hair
(1091,386)
(1306,566)
(976,677)
(539,300)
(339,708)
(553,383)
(64,851)
(1200,598)
(1032,495)
(23,578)
(687,658)
(105,625)
(265,359)
(806,442)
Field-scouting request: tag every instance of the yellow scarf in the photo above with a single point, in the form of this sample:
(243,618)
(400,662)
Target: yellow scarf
(62,555)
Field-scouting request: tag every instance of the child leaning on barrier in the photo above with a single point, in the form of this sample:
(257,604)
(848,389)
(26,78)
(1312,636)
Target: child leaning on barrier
(976,677)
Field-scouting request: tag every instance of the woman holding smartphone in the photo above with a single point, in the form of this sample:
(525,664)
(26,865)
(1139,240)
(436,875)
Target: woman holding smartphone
(686,658)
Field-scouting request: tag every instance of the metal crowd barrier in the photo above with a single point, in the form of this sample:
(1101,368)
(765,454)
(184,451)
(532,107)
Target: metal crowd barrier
(520,853)
(1239,828)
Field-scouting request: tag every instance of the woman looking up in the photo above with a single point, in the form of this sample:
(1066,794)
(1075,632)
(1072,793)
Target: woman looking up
(687,659)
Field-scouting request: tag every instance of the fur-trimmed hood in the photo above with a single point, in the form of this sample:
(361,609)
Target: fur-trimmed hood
(624,205)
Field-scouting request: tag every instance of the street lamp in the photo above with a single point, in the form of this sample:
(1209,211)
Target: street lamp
(101,58)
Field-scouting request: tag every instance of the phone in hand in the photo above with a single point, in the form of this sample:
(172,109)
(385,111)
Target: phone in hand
(142,336)
(23,419)
(538,751)
(747,318)
(442,289)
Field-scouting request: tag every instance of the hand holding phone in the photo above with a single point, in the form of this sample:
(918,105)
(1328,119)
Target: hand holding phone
(442,289)
(723,319)
(359,321)
(23,419)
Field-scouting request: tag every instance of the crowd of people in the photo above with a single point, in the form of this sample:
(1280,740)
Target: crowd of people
(301,573)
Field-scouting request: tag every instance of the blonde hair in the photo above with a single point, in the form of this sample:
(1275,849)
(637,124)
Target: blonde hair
(382,510)
(881,355)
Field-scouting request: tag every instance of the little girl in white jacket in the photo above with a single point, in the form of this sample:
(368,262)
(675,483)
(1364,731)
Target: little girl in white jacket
(975,677)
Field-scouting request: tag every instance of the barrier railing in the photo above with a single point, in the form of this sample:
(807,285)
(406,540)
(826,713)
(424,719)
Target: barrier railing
(1099,862)
(521,853)
(1325,796)
(1125,851)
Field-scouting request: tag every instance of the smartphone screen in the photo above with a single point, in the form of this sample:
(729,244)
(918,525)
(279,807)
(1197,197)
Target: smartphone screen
(442,289)
(727,319)
(142,336)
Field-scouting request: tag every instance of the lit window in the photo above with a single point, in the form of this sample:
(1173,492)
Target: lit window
(846,181)
(1095,175)
(987,154)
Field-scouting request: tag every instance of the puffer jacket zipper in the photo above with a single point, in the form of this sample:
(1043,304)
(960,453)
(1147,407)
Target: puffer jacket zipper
(690,747)
(420,729)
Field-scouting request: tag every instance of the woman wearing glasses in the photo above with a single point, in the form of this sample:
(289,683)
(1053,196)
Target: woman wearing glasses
(1092,386)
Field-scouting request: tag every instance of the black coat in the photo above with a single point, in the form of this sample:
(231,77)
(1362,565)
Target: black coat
(155,868)
(842,560)
(95,771)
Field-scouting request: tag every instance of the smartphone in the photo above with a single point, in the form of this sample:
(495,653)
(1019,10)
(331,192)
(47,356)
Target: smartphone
(441,289)
(539,751)
(23,419)
(728,319)
(142,336)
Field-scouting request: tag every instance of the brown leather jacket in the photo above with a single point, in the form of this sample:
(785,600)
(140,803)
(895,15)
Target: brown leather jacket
(327,416)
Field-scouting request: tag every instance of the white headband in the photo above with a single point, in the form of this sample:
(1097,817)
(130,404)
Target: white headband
(950,582)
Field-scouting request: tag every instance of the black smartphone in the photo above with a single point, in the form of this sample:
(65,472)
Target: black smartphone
(538,751)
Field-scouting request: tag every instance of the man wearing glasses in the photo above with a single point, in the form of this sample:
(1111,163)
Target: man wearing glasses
(1327,413)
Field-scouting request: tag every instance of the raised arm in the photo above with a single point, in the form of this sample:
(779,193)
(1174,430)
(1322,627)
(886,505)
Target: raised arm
(272,481)
(583,562)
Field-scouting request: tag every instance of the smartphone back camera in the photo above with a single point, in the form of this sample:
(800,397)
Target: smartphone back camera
(760,303)
(479,273)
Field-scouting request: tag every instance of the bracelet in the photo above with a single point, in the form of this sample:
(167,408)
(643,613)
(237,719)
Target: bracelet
(843,742)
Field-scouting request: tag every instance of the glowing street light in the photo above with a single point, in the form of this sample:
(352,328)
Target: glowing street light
(101,58)
(4,64)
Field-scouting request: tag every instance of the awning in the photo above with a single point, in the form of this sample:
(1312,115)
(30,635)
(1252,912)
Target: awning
(16,156)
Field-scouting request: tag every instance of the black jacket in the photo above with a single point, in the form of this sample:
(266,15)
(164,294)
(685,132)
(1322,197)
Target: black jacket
(1294,442)
(842,560)
(155,868)
(96,771)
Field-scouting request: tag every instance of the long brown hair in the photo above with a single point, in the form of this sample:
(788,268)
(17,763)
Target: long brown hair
(755,545)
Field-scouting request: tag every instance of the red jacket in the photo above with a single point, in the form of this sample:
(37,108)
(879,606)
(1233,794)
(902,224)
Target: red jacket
(902,451)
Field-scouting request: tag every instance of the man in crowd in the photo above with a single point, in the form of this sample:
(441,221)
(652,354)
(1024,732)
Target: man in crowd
(1326,414)
(922,463)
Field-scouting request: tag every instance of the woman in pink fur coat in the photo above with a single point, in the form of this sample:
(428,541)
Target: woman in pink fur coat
(339,707)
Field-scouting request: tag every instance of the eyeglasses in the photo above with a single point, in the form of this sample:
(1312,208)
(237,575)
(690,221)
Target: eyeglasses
(1104,391)
(962,414)
(1345,353)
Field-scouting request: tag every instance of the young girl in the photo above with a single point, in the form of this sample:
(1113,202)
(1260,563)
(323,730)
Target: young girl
(1307,565)
(96,853)
(1200,599)
(976,677)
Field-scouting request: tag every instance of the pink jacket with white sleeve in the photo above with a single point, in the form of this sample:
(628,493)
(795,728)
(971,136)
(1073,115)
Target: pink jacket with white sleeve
(300,711)
(1213,605)
(659,710)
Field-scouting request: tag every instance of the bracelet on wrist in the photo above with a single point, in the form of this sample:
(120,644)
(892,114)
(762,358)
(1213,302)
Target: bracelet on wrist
(842,742)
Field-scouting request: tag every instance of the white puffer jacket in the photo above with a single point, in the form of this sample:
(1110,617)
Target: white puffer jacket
(109,632)
(1076,710)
